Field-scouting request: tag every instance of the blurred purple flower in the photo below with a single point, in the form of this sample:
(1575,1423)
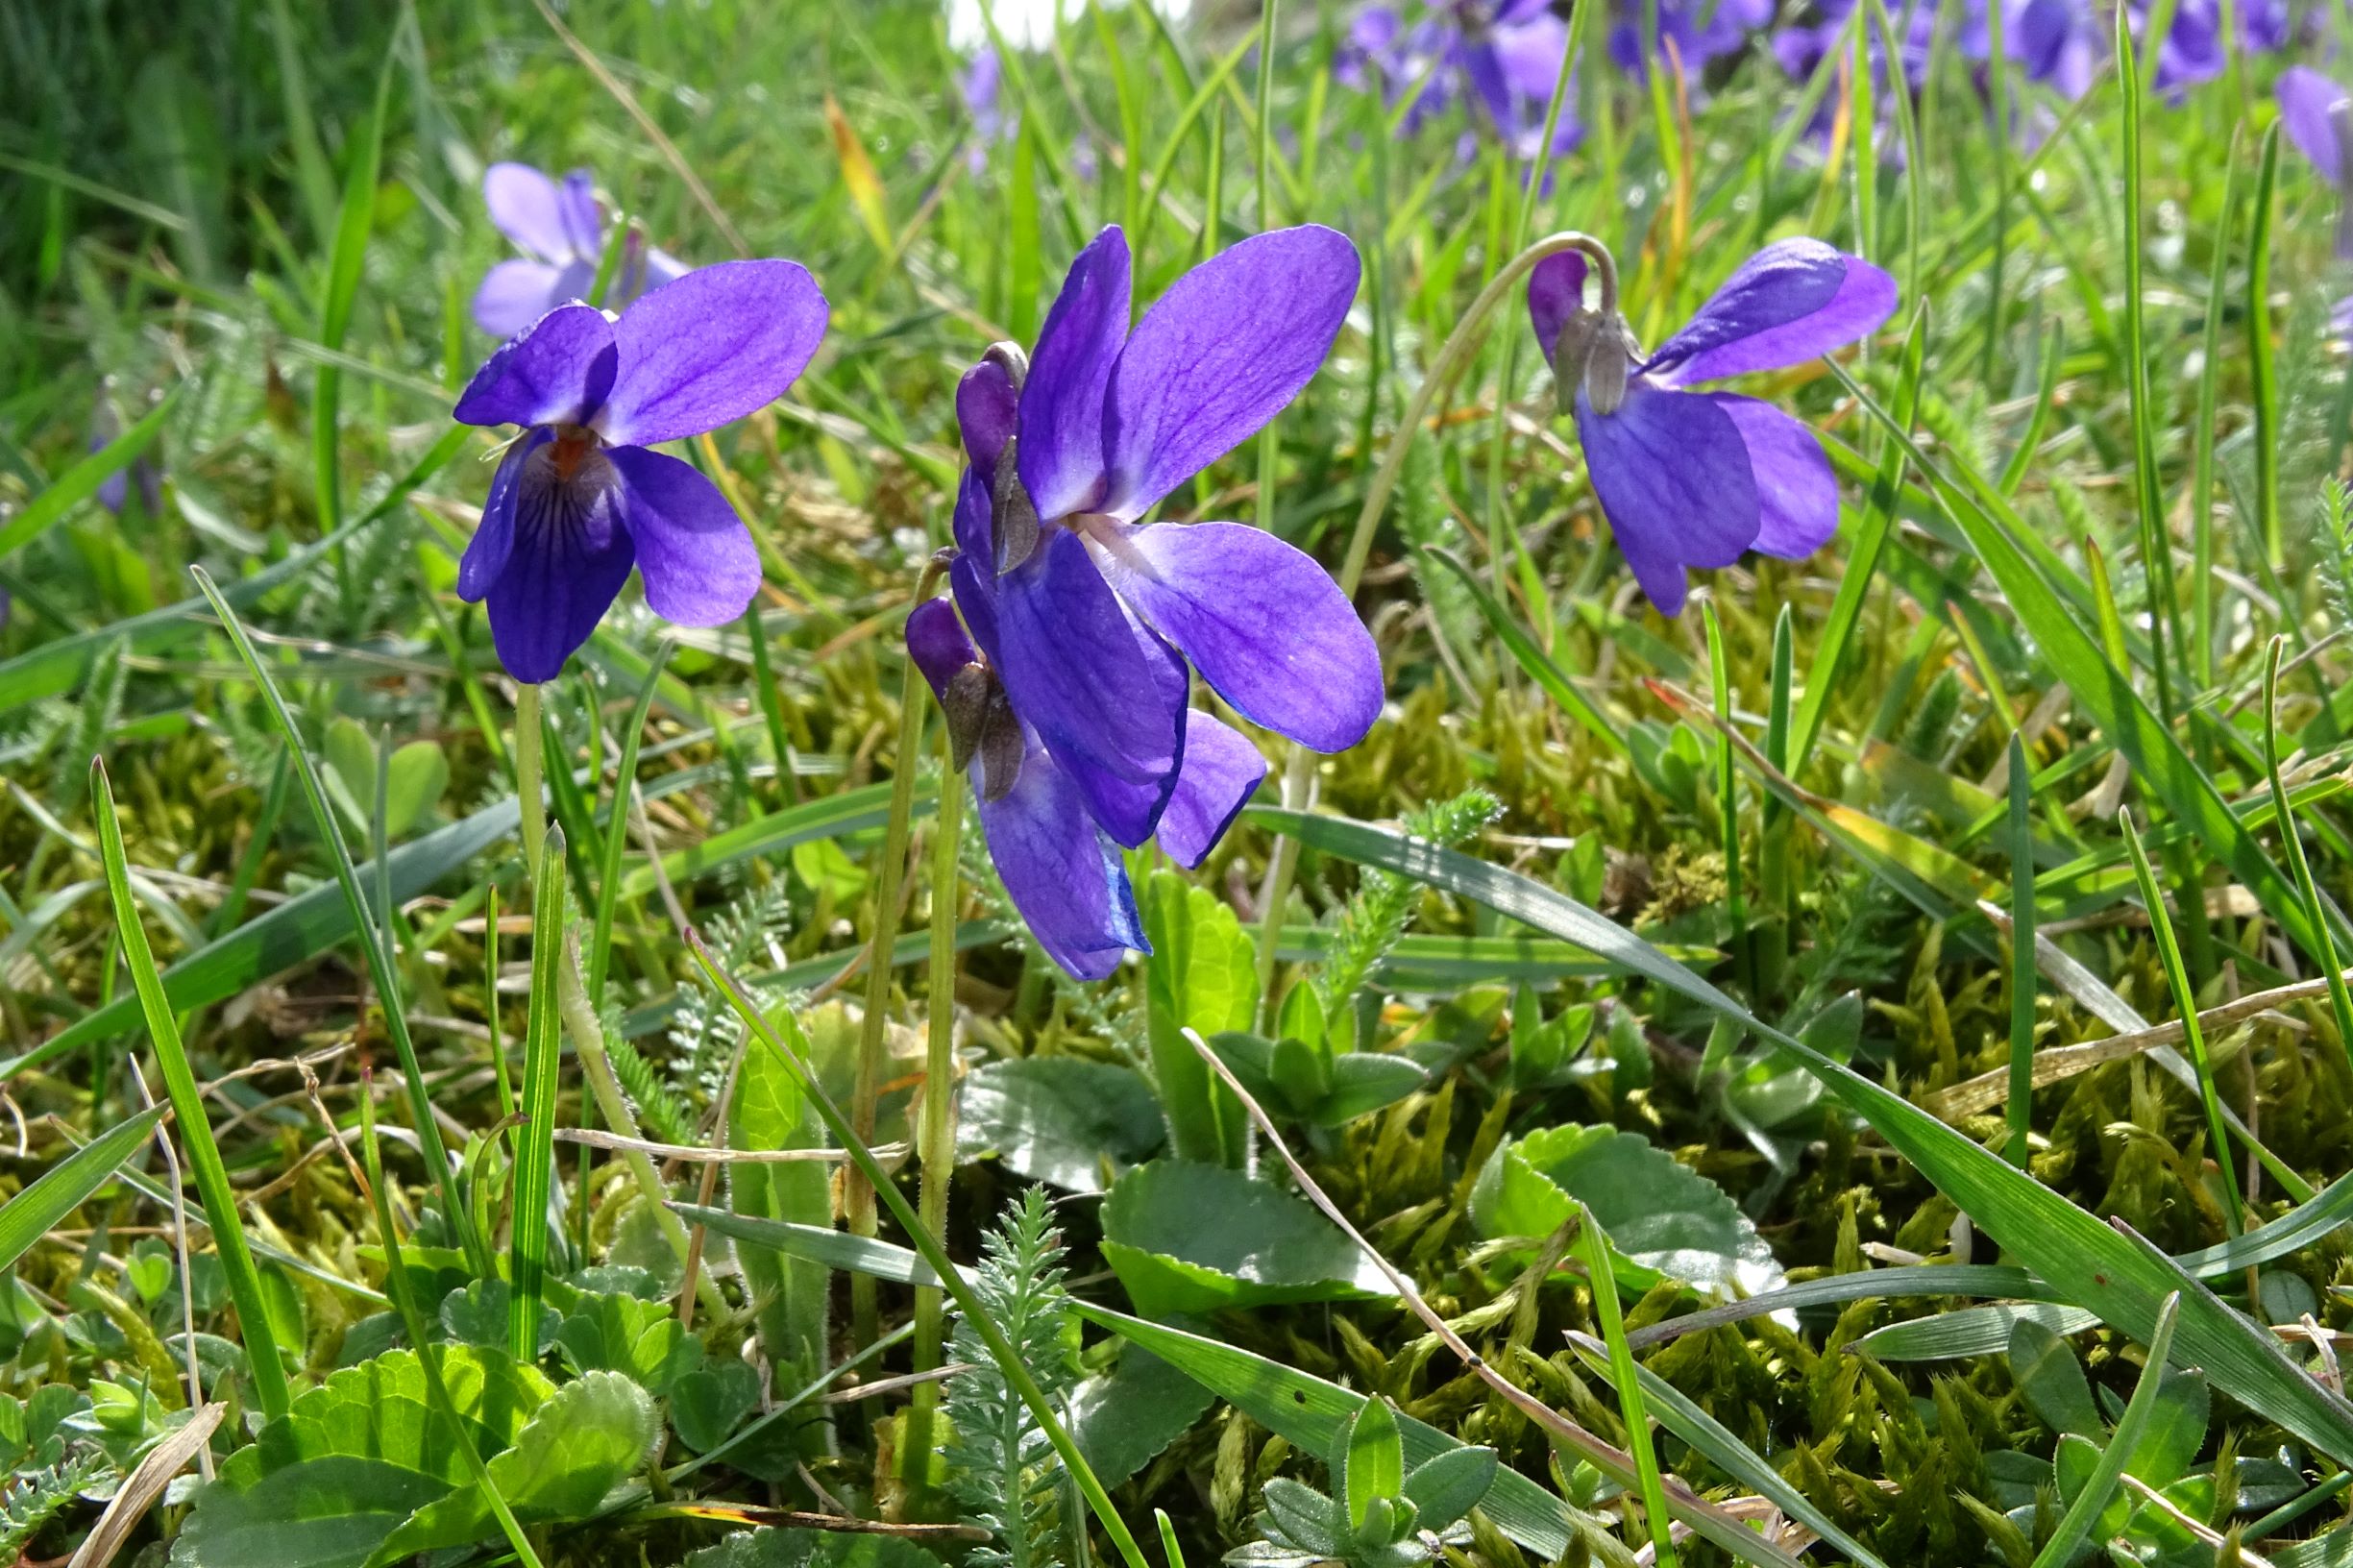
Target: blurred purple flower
(115,488)
(2194,50)
(1505,57)
(2317,115)
(1701,31)
(561,228)
(1073,709)
(580,498)
(1801,47)
(1697,479)
(981,85)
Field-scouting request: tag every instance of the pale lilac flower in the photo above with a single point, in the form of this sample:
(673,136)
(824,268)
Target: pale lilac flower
(561,230)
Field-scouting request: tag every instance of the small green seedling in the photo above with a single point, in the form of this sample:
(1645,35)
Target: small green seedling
(1303,1076)
(1384,1517)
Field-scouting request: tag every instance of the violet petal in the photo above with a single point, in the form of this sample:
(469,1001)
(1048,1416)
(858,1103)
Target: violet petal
(986,410)
(494,537)
(2306,98)
(513,295)
(1222,770)
(583,218)
(1797,493)
(1672,476)
(701,566)
(1107,695)
(527,209)
(1061,455)
(558,371)
(1219,354)
(1068,882)
(1262,622)
(569,556)
(937,643)
(1556,292)
(1791,302)
(712,346)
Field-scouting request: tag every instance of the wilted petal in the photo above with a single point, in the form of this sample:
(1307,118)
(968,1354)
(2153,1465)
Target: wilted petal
(556,372)
(1791,302)
(527,209)
(1229,344)
(1556,292)
(494,537)
(1221,771)
(1671,473)
(697,556)
(1066,880)
(513,295)
(2305,99)
(1108,695)
(1797,493)
(569,556)
(987,409)
(712,346)
(1266,626)
(1060,455)
(937,643)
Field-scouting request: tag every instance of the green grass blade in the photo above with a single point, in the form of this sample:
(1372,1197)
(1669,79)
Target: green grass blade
(1728,806)
(543,1044)
(244,1279)
(26,1218)
(2156,545)
(1532,659)
(2077,1523)
(616,830)
(852,811)
(2341,1003)
(2201,432)
(380,968)
(1594,1251)
(1872,530)
(2094,1267)
(2022,951)
(78,483)
(345,264)
(2104,693)
(2262,369)
(2185,1002)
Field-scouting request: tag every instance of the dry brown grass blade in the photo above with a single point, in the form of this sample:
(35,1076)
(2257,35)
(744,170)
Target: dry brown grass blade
(144,1485)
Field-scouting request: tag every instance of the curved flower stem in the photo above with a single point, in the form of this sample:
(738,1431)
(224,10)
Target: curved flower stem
(936,1139)
(1299,774)
(1016,1374)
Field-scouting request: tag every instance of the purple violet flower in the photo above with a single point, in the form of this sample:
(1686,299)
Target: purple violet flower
(1505,57)
(115,490)
(981,85)
(1072,711)
(1697,479)
(1700,30)
(580,497)
(2317,116)
(562,229)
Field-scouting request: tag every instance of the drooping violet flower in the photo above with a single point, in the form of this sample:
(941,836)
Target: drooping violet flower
(1697,479)
(1077,711)
(2317,116)
(580,497)
(1502,56)
(562,229)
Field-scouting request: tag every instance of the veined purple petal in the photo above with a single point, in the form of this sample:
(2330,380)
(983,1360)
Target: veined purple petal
(527,209)
(1556,292)
(569,556)
(1064,877)
(558,371)
(1107,695)
(1797,494)
(1060,455)
(697,556)
(513,295)
(986,410)
(2306,101)
(1221,771)
(1672,476)
(1266,626)
(712,346)
(583,218)
(937,643)
(973,581)
(494,537)
(1791,302)
(1229,344)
